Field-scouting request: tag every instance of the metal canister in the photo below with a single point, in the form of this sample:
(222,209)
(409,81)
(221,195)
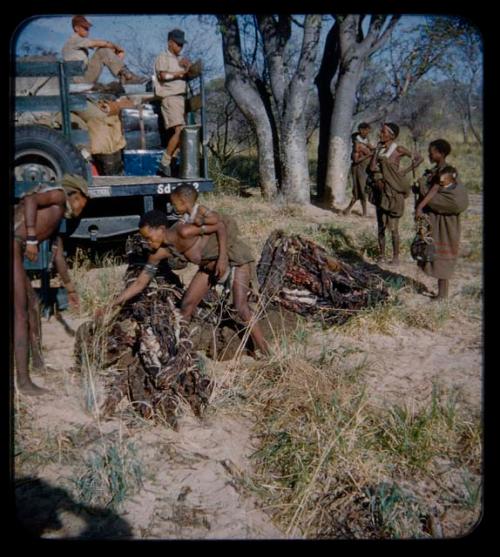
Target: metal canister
(190,152)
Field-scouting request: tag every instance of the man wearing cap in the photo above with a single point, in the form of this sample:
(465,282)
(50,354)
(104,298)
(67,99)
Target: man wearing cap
(170,73)
(104,129)
(107,54)
(37,216)
(390,186)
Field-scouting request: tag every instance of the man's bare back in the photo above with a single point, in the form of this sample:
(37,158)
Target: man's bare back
(49,212)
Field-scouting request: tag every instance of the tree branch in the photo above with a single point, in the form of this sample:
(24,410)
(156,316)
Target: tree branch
(296,22)
(385,35)
(376,23)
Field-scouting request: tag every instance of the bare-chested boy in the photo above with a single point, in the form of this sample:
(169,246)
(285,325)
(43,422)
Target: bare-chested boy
(184,201)
(198,244)
(36,218)
(391,186)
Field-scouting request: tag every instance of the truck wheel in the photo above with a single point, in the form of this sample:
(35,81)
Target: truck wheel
(46,153)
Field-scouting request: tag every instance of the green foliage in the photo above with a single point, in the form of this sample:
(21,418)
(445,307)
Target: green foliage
(396,282)
(292,458)
(239,171)
(396,513)
(472,490)
(473,291)
(367,241)
(112,472)
(244,168)
(413,438)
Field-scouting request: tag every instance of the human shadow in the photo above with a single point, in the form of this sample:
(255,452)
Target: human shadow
(39,504)
(325,205)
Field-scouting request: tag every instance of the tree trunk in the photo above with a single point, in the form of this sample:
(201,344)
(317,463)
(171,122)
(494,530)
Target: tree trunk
(266,100)
(250,104)
(295,169)
(296,181)
(254,102)
(246,96)
(340,134)
(327,71)
(475,133)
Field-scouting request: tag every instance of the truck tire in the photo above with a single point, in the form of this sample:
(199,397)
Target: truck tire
(47,151)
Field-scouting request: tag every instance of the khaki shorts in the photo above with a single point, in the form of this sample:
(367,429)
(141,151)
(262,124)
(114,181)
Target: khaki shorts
(173,110)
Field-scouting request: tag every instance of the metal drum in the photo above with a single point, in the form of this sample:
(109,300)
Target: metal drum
(190,152)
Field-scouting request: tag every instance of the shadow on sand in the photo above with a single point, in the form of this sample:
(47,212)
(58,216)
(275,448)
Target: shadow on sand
(38,508)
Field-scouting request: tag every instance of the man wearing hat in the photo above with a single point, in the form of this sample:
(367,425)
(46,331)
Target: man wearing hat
(104,129)
(37,216)
(107,54)
(170,83)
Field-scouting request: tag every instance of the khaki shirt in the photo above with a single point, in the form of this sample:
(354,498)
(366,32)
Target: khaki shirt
(168,62)
(76,48)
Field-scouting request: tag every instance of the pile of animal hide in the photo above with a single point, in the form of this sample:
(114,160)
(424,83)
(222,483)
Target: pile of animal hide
(300,276)
(147,354)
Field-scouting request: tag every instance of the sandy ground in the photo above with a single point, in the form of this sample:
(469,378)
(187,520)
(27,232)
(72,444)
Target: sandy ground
(406,363)
(194,485)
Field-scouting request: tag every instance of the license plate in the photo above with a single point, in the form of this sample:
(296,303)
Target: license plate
(100,192)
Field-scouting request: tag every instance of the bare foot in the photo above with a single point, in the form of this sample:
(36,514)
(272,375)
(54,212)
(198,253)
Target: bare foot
(30,389)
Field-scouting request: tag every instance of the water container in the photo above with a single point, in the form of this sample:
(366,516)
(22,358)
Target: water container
(190,152)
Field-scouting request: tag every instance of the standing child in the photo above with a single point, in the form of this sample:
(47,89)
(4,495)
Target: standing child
(362,151)
(171,71)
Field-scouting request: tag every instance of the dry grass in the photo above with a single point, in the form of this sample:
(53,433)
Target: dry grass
(329,464)
(36,447)
(396,312)
(325,452)
(96,284)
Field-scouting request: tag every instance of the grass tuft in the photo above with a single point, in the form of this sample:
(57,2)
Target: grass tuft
(112,473)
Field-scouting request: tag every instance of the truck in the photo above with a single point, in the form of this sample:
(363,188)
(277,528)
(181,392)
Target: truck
(46,148)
